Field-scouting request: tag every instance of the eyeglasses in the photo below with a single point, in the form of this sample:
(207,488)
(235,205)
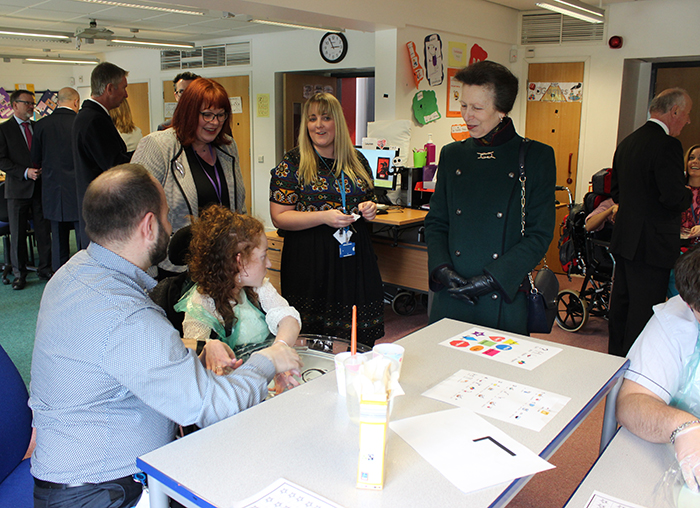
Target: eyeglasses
(32,104)
(179,92)
(209,116)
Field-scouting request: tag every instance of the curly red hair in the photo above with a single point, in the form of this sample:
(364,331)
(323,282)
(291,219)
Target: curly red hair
(218,237)
(202,93)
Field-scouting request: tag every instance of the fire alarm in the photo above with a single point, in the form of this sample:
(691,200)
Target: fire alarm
(615,42)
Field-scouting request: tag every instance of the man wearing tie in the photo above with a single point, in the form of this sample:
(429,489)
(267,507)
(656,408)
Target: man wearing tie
(23,189)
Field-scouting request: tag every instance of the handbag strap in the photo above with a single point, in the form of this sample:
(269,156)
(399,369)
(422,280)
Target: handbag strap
(522,154)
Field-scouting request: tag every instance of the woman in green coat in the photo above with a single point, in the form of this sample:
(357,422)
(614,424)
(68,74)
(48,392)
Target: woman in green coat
(477,255)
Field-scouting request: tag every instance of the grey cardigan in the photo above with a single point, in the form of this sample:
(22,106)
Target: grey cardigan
(163,156)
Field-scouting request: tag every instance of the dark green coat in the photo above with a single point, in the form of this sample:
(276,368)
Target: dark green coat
(474,226)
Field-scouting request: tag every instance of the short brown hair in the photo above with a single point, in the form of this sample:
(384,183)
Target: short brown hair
(687,273)
(201,94)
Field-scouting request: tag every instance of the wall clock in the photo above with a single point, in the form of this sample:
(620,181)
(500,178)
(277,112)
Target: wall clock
(333,47)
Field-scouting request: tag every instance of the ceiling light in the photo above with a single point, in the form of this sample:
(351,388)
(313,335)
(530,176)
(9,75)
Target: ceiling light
(39,34)
(73,61)
(147,42)
(575,9)
(145,6)
(295,25)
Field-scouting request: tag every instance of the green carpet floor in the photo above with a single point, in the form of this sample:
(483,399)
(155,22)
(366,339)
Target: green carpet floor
(19,313)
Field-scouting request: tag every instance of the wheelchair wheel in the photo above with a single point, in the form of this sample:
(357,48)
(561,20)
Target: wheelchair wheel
(404,303)
(572,311)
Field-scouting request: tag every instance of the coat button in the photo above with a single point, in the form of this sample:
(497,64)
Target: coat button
(458,172)
(458,211)
(494,296)
(511,175)
(458,253)
(499,215)
(494,255)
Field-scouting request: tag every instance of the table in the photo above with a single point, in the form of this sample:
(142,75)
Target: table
(629,469)
(305,435)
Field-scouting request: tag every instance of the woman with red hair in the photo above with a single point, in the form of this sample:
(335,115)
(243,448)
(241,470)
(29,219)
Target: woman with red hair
(196,160)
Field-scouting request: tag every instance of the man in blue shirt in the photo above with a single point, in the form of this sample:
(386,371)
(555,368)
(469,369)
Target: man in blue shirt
(111,377)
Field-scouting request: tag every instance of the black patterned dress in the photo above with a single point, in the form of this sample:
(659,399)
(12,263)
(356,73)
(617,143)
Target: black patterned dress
(315,280)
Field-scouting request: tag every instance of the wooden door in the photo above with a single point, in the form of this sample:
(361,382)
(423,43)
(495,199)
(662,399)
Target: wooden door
(140,108)
(687,78)
(238,90)
(558,125)
(296,89)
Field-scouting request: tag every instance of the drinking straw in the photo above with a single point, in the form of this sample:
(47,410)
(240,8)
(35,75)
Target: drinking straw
(353,333)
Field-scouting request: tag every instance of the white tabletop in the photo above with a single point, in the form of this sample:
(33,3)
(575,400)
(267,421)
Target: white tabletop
(630,470)
(305,435)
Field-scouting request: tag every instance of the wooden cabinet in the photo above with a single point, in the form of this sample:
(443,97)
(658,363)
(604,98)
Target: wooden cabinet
(274,253)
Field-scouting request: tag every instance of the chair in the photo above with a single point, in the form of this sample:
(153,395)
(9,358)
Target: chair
(6,242)
(16,482)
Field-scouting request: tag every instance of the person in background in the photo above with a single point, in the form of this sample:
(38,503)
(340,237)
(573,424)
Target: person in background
(23,189)
(180,82)
(233,306)
(603,214)
(647,182)
(321,194)
(51,151)
(478,258)
(196,161)
(130,133)
(96,144)
(659,400)
(111,381)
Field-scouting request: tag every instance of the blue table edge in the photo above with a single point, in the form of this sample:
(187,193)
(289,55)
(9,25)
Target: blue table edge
(549,450)
(172,484)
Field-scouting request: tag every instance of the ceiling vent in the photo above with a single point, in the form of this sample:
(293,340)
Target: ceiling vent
(554,28)
(223,55)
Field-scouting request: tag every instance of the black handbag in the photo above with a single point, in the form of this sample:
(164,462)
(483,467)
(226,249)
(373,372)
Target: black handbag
(542,296)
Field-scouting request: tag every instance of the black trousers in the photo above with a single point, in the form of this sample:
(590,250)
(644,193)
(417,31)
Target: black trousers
(20,211)
(636,289)
(60,242)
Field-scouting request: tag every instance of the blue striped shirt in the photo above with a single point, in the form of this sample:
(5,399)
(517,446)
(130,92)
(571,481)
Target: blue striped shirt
(111,377)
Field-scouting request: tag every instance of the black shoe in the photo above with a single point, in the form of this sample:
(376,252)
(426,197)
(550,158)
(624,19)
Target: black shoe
(45,275)
(19,283)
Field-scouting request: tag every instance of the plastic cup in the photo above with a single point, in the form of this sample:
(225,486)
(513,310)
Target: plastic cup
(392,351)
(419,158)
(340,371)
(353,386)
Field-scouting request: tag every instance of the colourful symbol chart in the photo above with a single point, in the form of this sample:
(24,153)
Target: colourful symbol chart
(502,347)
(285,494)
(510,402)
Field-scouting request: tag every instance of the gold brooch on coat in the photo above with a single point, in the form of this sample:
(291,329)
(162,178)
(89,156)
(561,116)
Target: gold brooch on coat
(485,155)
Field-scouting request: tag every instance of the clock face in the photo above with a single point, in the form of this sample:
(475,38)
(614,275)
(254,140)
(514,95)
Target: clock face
(334,47)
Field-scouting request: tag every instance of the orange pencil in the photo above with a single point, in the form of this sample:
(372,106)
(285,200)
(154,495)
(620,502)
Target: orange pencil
(353,332)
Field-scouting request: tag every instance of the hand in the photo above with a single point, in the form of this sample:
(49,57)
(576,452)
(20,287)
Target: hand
(694,232)
(452,280)
(284,381)
(33,173)
(613,211)
(283,357)
(475,287)
(368,209)
(219,358)
(687,448)
(685,233)
(337,219)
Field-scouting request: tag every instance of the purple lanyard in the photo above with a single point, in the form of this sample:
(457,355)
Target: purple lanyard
(217,185)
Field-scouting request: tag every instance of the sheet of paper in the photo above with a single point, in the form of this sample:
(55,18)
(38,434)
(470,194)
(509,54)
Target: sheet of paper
(501,347)
(470,452)
(600,500)
(510,402)
(283,493)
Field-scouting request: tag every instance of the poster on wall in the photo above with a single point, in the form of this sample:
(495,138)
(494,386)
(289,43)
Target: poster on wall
(418,72)
(554,92)
(432,50)
(5,108)
(456,54)
(459,131)
(425,107)
(46,104)
(477,54)
(454,89)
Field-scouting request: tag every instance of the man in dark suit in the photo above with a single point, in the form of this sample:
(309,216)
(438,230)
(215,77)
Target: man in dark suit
(23,189)
(649,186)
(97,145)
(51,151)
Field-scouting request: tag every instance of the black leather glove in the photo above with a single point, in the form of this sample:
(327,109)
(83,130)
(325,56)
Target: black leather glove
(475,287)
(449,278)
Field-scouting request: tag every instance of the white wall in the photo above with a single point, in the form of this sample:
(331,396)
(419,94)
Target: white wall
(42,76)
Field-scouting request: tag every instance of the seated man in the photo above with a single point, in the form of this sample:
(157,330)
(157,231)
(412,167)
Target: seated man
(660,397)
(110,375)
